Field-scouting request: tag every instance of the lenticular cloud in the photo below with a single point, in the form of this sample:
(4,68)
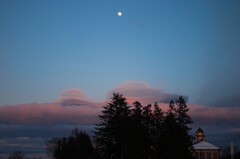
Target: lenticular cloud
(76,97)
(144,93)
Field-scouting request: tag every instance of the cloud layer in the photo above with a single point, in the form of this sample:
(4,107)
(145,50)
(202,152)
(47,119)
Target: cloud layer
(47,113)
(215,115)
(74,107)
(144,93)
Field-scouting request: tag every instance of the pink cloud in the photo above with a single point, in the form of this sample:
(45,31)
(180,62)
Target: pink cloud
(76,97)
(47,113)
(53,113)
(142,92)
(74,107)
(209,115)
(74,93)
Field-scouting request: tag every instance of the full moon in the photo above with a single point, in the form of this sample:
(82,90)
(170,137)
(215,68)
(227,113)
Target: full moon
(119,14)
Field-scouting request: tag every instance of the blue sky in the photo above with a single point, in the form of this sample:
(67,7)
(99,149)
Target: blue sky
(186,47)
(48,47)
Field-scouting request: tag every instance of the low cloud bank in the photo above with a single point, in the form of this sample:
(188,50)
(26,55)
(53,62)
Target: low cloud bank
(47,113)
(74,107)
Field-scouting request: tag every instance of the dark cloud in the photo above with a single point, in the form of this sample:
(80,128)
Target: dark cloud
(31,138)
(76,97)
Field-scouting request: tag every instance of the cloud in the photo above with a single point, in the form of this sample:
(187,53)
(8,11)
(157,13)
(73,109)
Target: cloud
(26,144)
(234,130)
(220,116)
(76,97)
(74,107)
(74,93)
(144,93)
(47,113)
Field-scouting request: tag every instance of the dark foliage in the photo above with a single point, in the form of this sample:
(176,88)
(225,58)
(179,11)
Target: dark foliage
(77,146)
(143,132)
(175,142)
(16,155)
(112,134)
(137,132)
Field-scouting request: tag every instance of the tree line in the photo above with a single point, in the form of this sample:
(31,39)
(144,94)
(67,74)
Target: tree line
(131,132)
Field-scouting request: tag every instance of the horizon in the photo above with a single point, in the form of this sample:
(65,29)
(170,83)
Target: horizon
(61,61)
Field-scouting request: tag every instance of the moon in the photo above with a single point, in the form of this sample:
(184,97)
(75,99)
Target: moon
(119,13)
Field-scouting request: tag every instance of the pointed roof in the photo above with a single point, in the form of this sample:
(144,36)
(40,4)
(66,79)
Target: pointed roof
(200,130)
(203,145)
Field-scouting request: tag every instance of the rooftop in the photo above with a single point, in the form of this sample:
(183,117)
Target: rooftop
(203,145)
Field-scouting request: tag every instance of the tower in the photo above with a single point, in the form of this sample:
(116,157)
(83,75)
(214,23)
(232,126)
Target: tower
(199,136)
(232,150)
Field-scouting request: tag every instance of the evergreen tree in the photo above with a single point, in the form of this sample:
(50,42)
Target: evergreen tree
(112,133)
(183,120)
(156,133)
(139,133)
(158,118)
(148,118)
(181,111)
(175,142)
(143,132)
(167,139)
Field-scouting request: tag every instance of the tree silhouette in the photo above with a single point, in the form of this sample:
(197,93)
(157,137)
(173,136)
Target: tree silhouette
(16,155)
(112,133)
(175,142)
(184,120)
(142,131)
(77,146)
(125,132)
(140,141)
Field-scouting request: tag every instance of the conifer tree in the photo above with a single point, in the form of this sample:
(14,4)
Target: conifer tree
(139,133)
(175,142)
(157,131)
(112,133)
(184,120)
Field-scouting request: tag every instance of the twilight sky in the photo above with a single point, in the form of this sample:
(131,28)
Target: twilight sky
(61,60)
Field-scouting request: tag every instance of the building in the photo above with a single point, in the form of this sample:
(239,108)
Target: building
(203,149)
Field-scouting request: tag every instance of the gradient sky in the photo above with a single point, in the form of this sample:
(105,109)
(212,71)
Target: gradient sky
(52,50)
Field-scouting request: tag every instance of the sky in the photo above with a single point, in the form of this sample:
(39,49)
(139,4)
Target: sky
(61,61)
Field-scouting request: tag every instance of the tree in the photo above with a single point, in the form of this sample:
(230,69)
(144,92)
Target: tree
(175,142)
(17,155)
(77,146)
(143,132)
(184,120)
(140,141)
(81,144)
(156,133)
(112,133)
